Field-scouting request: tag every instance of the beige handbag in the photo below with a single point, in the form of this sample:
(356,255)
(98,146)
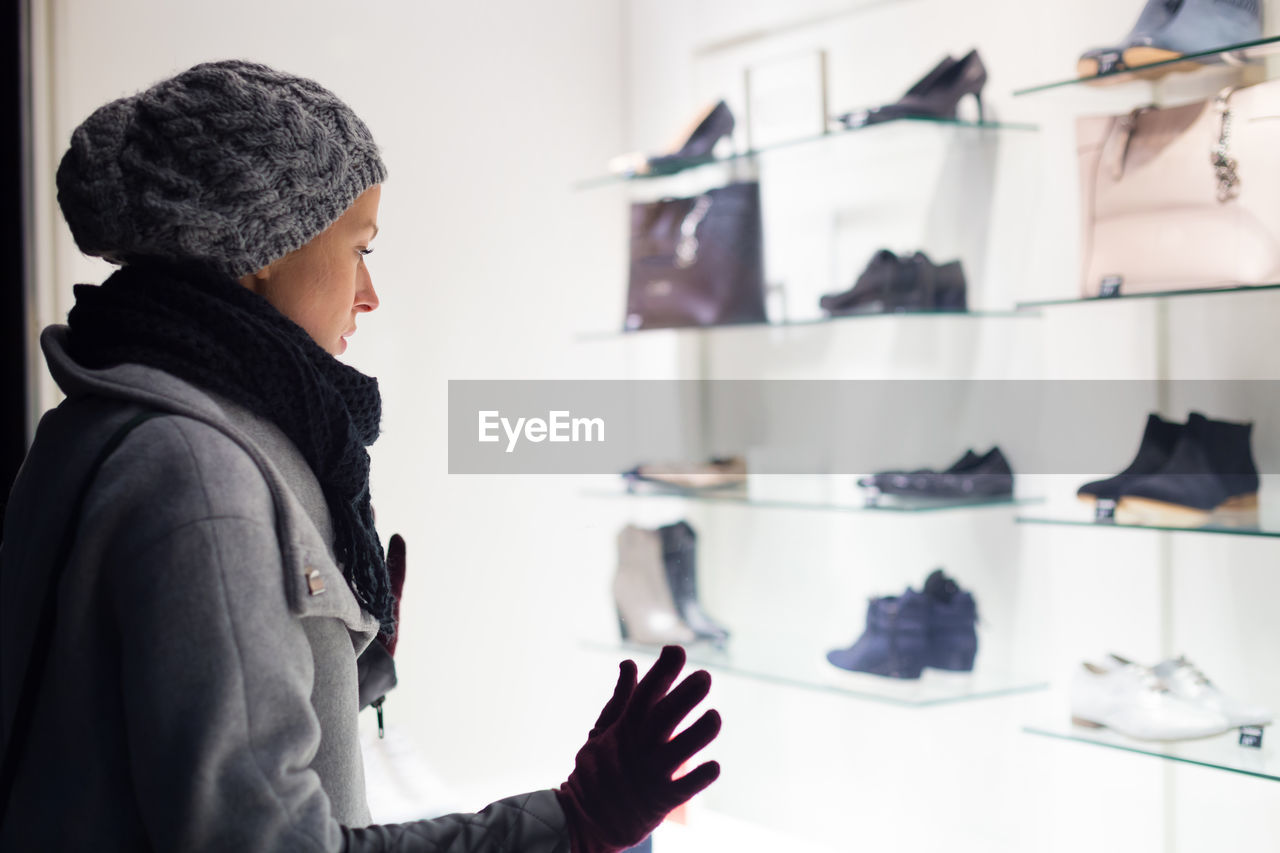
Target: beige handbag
(1182,197)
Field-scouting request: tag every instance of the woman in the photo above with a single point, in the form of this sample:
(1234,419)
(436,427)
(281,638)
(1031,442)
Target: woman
(224,606)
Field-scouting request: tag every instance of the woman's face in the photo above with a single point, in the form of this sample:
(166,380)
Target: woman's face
(324,285)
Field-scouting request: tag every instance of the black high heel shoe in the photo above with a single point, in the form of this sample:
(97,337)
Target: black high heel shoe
(937,95)
(709,127)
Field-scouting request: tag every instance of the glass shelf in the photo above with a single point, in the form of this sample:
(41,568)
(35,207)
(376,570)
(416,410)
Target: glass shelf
(686,165)
(1159,294)
(773,661)
(1222,752)
(850,501)
(819,321)
(1265,524)
(1243,52)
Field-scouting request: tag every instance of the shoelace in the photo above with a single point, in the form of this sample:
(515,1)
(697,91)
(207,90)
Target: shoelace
(1146,678)
(1199,682)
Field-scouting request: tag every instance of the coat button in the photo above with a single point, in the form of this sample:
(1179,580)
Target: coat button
(315,583)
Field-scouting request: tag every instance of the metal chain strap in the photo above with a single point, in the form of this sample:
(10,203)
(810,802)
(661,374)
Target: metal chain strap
(1224,165)
(687,248)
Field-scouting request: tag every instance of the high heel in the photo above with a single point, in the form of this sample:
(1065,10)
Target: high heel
(694,145)
(936,96)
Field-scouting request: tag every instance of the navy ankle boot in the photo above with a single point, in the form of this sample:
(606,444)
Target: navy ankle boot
(953,619)
(895,641)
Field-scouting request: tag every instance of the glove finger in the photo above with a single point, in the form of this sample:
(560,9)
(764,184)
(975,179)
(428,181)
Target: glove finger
(395,569)
(690,742)
(621,693)
(395,562)
(657,680)
(677,704)
(683,789)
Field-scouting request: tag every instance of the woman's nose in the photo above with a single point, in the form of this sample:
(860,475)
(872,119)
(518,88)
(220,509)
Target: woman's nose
(366,297)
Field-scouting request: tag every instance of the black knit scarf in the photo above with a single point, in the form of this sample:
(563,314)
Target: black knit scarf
(207,329)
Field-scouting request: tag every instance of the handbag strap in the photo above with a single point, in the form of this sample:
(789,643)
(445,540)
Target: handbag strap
(24,714)
(1224,165)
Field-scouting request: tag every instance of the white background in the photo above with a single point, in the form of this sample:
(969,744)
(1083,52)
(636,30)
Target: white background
(489,265)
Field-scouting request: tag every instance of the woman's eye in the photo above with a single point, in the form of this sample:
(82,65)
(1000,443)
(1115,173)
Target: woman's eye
(366,251)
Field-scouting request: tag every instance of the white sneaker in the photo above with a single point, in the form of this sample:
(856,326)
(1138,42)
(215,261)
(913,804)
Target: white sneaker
(1132,700)
(1189,683)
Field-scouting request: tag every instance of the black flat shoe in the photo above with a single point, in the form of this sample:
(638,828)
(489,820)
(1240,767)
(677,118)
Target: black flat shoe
(989,476)
(937,95)
(892,284)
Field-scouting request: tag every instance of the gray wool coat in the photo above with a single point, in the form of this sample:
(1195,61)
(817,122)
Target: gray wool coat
(199,695)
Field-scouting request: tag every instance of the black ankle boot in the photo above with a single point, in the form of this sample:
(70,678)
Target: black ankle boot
(1158,441)
(679,557)
(1211,470)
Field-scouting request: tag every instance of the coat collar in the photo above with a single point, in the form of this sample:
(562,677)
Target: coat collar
(313,582)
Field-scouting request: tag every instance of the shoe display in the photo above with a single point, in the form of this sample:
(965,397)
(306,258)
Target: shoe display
(906,633)
(1132,700)
(971,476)
(1169,29)
(895,641)
(936,95)
(953,620)
(646,611)
(1209,476)
(1158,441)
(909,283)
(694,145)
(680,560)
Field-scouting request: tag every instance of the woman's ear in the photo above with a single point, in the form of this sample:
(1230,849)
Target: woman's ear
(255,280)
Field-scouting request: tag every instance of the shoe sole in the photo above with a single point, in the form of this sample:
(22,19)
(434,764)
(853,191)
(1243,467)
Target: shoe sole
(1239,511)
(1091,724)
(1136,57)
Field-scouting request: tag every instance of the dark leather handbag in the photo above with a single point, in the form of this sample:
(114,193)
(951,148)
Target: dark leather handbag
(697,261)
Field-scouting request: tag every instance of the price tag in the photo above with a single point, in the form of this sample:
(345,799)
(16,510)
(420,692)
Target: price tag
(1251,736)
(1110,287)
(1105,510)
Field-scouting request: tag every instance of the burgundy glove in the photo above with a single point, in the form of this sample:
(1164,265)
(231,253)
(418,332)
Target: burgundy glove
(396,566)
(621,786)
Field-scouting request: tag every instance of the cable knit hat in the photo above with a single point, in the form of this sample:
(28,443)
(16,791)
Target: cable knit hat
(229,163)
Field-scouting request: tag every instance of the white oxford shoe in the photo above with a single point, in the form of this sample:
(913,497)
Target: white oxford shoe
(1132,700)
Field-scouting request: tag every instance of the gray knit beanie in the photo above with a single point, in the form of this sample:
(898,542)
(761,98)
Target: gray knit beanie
(229,163)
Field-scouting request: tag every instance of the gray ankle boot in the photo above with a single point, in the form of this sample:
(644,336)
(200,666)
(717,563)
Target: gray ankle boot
(646,612)
(1101,60)
(1168,29)
(1195,26)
